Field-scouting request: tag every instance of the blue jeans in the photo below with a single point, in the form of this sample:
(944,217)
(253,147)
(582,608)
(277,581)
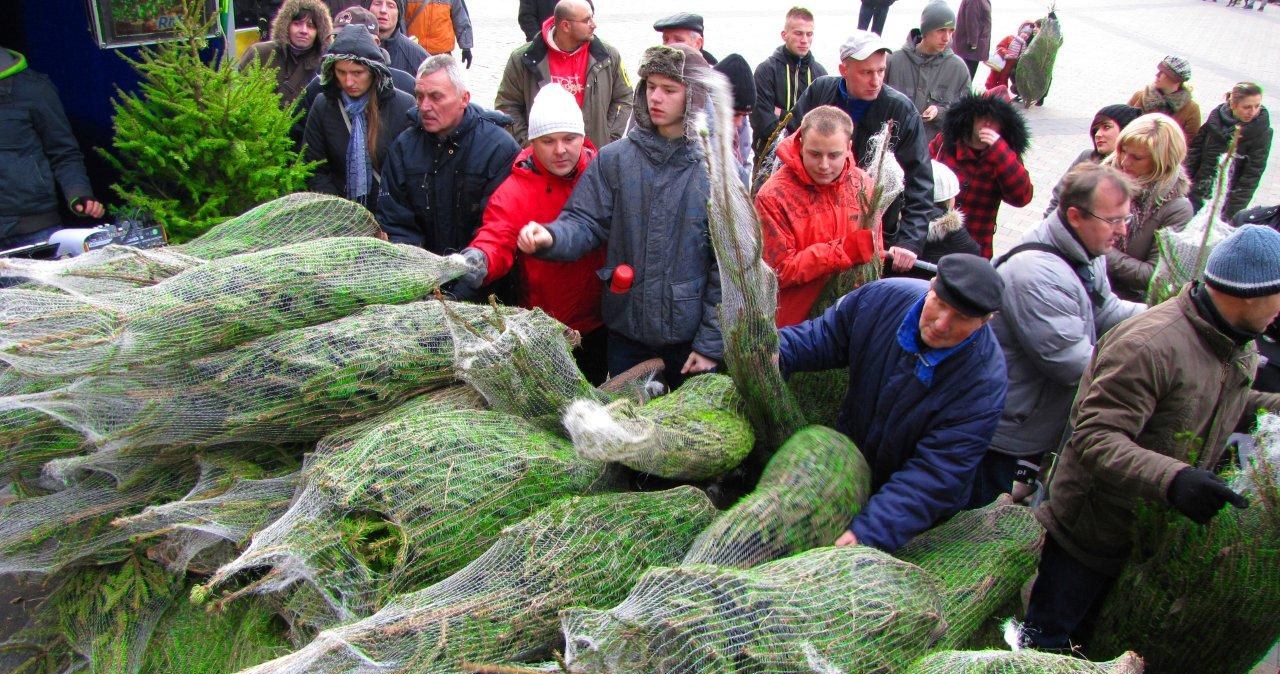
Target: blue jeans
(1064,599)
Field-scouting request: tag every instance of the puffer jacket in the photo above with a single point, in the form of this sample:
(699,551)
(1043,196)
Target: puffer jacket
(645,199)
(1246,168)
(568,291)
(607,99)
(810,232)
(293,73)
(438,25)
(780,80)
(938,79)
(1047,325)
(434,189)
(922,417)
(1160,387)
(38,153)
(1130,270)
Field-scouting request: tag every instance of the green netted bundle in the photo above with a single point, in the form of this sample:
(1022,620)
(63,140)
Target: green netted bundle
(456,398)
(214,306)
(1034,72)
(809,492)
(108,269)
(582,551)
(98,620)
(696,432)
(29,438)
(982,558)
(521,364)
(1202,598)
(820,394)
(1021,662)
(851,609)
(1184,252)
(408,503)
(191,640)
(293,386)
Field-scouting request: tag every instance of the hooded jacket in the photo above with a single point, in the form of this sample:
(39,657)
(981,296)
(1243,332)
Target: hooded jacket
(606,105)
(922,417)
(434,189)
(438,25)
(780,80)
(1153,382)
(990,176)
(1246,167)
(568,291)
(938,80)
(293,72)
(327,134)
(910,149)
(38,153)
(1130,269)
(1047,325)
(645,200)
(810,232)
(532,14)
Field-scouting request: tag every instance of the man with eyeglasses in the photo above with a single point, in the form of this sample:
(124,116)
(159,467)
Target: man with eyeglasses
(568,53)
(1057,305)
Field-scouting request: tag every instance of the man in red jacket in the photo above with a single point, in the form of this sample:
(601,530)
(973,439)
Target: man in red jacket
(810,211)
(540,183)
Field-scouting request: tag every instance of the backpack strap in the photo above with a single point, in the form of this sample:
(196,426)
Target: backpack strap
(1083,272)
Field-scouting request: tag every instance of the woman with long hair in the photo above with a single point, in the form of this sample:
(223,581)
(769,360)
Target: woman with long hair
(1150,150)
(1242,110)
(353,121)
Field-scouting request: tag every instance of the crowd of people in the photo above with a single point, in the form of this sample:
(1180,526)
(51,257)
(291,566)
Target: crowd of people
(586,196)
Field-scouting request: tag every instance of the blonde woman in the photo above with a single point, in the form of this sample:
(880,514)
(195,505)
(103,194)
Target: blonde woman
(1150,150)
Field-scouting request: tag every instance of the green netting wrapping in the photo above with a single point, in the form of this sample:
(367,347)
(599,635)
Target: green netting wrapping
(288,220)
(214,306)
(581,551)
(408,503)
(1034,72)
(851,609)
(29,438)
(748,287)
(1206,597)
(522,364)
(1021,662)
(1183,253)
(696,432)
(809,492)
(293,386)
(191,640)
(982,558)
(820,394)
(98,620)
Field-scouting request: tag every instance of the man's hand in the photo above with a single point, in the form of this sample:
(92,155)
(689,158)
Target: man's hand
(929,113)
(902,259)
(466,58)
(697,363)
(89,208)
(533,238)
(1200,494)
(846,539)
(988,136)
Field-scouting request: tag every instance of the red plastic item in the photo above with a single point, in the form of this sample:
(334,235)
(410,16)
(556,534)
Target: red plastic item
(623,275)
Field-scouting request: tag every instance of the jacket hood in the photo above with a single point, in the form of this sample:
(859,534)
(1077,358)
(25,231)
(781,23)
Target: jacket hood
(473,115)
(355,44)
(957,124)
(784,56)
(17,64)
(685,65)
(527,163)
(789,154)
(284,16)
(1223,121)
(951,221)
(912,49)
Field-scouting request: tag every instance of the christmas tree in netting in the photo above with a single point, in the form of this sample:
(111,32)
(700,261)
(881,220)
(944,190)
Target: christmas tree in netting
(1183,253)
(1034,72)
(1020,662)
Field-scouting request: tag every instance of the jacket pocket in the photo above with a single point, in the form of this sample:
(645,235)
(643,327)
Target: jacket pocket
(471,200)
(686,308)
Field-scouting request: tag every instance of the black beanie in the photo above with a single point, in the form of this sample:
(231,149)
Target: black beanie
(738,72)
(1120,114)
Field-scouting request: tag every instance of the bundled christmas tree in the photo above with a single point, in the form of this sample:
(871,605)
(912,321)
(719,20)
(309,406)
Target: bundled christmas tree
(202,141)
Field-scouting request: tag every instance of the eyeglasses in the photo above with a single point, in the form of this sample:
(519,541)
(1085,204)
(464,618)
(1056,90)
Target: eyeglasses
(588,21)
(1125,220)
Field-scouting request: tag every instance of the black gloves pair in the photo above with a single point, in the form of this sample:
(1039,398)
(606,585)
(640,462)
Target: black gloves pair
(466,58)
(1200,494)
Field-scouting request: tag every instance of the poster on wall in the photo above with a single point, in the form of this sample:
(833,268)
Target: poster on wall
(125,23)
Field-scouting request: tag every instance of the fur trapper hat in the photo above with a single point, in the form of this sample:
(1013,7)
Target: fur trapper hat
(958,122)
(683,64)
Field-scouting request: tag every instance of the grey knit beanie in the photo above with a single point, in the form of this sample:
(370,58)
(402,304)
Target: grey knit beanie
(936,15)
(1247,263)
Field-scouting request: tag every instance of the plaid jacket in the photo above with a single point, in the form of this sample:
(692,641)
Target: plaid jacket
(987,177)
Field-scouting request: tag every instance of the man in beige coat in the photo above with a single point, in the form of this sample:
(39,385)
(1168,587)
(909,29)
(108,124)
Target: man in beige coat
(1151,418)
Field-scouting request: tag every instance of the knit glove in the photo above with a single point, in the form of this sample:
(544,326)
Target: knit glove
(1200,494)
(466,58)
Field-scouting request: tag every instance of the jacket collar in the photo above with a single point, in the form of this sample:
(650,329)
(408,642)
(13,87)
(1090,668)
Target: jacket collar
(1060,236)
(789,153)
(659,150)
(783,54)
(1220,344)
(927,359)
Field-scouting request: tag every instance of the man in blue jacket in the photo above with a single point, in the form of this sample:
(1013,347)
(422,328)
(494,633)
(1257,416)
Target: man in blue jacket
(926,388)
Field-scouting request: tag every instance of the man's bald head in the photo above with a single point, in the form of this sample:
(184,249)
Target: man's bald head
(575,24)
(567,10)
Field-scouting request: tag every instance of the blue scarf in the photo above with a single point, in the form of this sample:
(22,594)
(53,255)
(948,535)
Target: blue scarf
(359,175)
(927,359)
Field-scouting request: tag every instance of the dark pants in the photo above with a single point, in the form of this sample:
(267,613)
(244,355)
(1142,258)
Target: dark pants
(591,356)
(28,239)
(873,14)
(1064,599)
(626,353)
(973,68)
(995,477)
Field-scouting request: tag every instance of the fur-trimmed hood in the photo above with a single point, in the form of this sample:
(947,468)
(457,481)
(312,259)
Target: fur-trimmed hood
(958,122)
(951,221)
(284,16)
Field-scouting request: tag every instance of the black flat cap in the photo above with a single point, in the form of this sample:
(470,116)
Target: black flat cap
(682,20)
(969,284)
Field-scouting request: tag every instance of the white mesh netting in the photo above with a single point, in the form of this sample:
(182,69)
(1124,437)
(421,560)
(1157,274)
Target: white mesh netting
(1020,662)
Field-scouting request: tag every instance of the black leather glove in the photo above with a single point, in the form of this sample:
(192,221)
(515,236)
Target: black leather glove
(466,58)
(1200,494)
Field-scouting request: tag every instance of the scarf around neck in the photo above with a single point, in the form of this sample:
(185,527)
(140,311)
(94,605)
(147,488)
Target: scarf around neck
(1153,100)
(359,176)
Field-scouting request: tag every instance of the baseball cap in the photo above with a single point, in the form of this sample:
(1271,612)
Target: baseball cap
(861,45)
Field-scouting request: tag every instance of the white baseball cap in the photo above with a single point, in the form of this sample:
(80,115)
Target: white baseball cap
(861,45)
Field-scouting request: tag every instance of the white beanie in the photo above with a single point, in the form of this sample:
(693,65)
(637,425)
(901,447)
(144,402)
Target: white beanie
(555,110)
(945,183)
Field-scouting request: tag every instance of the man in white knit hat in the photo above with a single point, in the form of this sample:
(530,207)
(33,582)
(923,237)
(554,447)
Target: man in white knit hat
(542,178)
